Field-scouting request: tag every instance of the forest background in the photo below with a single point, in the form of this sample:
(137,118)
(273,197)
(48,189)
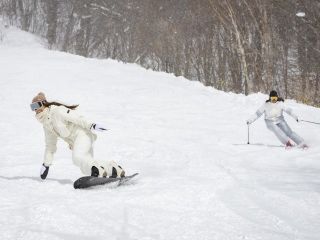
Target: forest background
(243,46)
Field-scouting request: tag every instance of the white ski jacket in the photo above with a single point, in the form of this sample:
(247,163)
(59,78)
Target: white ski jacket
(61,122)
(272,112)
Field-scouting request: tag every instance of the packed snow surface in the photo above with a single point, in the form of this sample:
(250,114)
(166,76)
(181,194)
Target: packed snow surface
(198,177)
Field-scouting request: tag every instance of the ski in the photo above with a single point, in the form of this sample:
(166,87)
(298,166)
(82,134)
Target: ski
(257,144)
(272,145)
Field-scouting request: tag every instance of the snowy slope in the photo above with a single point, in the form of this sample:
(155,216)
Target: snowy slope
(196,179)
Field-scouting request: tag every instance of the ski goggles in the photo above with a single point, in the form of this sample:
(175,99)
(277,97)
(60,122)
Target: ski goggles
(36,105)
(274,99)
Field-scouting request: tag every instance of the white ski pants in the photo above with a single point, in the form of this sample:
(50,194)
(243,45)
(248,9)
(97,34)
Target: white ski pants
(82,155)
(283,132)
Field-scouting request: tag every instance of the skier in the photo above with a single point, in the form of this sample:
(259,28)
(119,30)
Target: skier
(273,110)
(61,121)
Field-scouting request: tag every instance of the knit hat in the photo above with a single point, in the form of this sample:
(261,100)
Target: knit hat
(273,93)
(39,98)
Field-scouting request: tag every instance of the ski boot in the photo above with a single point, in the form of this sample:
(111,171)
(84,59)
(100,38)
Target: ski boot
(289,145)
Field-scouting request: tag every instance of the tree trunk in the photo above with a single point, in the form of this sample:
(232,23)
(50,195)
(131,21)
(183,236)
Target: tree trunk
(52,20)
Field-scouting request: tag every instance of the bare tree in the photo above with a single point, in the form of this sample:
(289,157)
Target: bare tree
(243,46)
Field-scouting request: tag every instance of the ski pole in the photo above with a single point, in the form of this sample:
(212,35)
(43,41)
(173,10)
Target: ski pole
(310,122)
(248,134)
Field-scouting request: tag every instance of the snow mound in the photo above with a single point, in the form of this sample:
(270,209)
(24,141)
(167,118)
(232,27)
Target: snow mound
(15,38)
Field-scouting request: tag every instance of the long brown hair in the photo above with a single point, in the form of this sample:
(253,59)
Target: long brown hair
(48,104)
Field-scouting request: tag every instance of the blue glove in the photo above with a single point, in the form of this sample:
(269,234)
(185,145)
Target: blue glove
(44,171)
(97,127)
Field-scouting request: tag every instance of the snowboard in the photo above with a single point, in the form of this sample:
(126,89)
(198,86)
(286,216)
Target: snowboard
(89,181)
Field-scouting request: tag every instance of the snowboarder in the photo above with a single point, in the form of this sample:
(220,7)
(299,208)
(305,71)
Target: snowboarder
(273,110)
(62,121)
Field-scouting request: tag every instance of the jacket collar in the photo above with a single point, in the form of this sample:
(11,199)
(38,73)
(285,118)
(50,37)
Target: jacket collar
(42,116)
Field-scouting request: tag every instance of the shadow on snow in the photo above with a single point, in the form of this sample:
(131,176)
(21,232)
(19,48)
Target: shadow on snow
(61,181)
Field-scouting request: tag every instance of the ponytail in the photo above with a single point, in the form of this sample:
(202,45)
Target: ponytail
(48,104)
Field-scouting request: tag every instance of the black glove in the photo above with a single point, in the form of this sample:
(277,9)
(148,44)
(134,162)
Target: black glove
(98,127)
(44,171)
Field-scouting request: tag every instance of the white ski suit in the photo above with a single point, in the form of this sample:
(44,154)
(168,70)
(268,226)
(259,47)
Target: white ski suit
(61,122)
(275,121)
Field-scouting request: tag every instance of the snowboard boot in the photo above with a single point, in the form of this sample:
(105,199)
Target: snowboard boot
(117,172)
(98,172)
(94,172)
(113,170)
(303,146)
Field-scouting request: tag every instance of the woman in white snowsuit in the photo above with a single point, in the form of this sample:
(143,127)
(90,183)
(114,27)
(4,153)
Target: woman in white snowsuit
(273,110)
(61,121)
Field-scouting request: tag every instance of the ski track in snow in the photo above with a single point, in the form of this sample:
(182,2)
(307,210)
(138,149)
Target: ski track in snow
(198,178)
